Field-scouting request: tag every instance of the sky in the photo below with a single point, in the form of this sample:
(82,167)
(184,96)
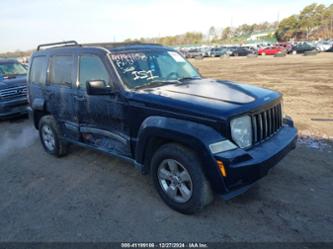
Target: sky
(25,24)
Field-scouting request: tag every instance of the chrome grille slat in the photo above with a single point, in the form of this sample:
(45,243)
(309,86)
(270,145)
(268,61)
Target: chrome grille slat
(13,92)
(261,131)
(270,112)
(273,120)
(255,131)
(266,123)
(279,114)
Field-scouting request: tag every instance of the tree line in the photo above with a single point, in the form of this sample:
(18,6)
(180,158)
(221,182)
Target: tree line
(314,22)
(215,35)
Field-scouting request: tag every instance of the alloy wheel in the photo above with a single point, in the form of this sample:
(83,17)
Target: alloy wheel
(48,137)
(175,180)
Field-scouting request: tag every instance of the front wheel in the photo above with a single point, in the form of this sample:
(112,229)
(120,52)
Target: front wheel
(179,180)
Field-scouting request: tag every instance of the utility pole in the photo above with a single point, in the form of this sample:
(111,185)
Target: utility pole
(331,26)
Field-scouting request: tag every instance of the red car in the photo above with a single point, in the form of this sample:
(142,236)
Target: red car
(270,50)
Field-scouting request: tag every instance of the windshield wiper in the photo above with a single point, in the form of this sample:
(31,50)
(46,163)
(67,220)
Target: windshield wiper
(189,78)
(9,76)
(156,83)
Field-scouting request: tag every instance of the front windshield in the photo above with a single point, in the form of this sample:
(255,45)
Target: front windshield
(12,69)
(143,68)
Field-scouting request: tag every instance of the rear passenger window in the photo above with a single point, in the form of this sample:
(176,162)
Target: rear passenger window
(61,69)
(92,68)
(38,70)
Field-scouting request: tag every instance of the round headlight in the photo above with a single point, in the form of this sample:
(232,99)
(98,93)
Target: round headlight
(241,131)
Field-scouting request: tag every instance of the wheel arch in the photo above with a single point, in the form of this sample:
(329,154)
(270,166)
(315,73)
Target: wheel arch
(38,111)
(156,131)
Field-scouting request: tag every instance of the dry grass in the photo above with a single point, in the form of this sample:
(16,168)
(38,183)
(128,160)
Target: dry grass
(305,81)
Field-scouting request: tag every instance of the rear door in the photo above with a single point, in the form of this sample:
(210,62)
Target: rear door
(60,91)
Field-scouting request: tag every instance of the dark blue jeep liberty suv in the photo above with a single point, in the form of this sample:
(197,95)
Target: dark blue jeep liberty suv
(147,104)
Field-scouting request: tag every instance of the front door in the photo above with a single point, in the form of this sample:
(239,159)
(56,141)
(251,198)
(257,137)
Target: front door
(101,117)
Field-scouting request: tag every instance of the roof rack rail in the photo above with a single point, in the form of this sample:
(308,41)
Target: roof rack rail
(65,43)
(118,44)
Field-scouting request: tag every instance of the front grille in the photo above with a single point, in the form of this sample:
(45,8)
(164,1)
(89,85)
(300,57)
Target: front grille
(266,123)
(13,92)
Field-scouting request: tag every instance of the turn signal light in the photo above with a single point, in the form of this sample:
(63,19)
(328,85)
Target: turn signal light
(222,168)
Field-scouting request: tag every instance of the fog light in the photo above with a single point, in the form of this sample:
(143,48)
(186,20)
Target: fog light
(222,168)
(222,146)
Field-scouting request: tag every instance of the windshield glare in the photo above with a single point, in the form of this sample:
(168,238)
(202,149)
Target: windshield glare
(13,68)
(141,68)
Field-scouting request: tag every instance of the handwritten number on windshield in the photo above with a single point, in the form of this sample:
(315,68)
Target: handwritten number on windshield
(143,75)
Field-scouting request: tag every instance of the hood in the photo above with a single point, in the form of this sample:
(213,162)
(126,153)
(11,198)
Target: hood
(207,97)
(13,82)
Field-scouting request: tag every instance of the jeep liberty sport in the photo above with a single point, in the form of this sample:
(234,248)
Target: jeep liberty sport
(145,103)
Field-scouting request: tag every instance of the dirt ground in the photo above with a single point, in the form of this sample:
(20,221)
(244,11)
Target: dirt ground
(88,196)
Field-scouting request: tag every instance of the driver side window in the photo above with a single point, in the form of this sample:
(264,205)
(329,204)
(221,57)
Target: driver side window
(92,68)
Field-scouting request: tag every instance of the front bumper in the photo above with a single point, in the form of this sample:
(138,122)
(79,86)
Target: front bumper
(14,107)
(244,167)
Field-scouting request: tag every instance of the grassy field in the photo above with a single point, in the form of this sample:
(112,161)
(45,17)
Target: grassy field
(305,81)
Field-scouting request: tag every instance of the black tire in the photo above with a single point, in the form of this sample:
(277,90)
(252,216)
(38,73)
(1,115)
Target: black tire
(201,191)
(60,146)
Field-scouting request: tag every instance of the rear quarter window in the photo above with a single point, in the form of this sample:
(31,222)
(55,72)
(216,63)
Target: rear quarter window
(38,70)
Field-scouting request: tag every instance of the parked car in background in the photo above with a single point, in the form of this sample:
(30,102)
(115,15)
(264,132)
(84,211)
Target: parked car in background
(301,48)
(330,49)
(240,51)
(323,46)
(206,51)
(271,50)
(194,53)
(288,46)
(219,51)
(13,88)
(146,104)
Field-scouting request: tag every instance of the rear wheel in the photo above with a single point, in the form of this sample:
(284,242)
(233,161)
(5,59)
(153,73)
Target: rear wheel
(50,137)
(179,180)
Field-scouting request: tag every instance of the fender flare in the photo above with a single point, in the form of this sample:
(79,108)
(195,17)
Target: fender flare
(38,109)
(193,135)
(38,104)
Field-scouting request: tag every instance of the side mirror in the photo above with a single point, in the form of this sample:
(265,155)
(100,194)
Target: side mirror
(98,87)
